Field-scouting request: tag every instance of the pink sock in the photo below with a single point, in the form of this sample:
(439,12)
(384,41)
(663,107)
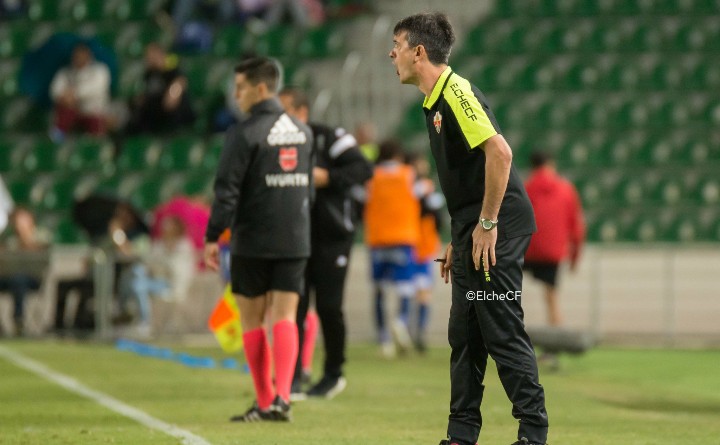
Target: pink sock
(285,352)
(308,347)
(257,354)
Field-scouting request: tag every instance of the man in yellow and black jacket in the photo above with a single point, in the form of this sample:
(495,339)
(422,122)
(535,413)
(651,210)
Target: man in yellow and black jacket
(492,222)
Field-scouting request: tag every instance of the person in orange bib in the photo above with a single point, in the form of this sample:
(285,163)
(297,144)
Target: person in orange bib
(392,230)
(428,246)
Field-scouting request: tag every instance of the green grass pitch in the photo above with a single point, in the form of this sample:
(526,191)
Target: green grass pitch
(608,396)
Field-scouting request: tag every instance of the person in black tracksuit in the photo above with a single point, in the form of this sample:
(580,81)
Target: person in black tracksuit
(263,193)
(340,167)
(492,222)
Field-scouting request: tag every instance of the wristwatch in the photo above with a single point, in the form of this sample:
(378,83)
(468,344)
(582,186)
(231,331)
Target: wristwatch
(488,224)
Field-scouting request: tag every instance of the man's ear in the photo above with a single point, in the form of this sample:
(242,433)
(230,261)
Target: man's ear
(420,51)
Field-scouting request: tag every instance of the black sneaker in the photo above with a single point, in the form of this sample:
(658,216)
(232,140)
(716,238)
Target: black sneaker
(254,414)
(447,442)
(280,410)
(296,392)
(328,387)
(524,441)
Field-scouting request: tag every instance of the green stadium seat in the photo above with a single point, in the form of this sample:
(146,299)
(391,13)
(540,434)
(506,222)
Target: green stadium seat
(644,227)
(604,230)
(9,71)
(604,38)
(109,186)
(131,78)
(279,41)
(229,41)
(707,191)
(44,10)
(67,232)
(91,155)
(42,157)
(132,39)
(12,152)
(689,37)
(154,190)
(139,153)
(20,115)
(128,10)
(14,40)
(147,195)
(196,71)
(198,183)
(59,194)
(213,151)
(21,190)
(474,41)
(91,10)
(181,154)
(324,41)
(511,40)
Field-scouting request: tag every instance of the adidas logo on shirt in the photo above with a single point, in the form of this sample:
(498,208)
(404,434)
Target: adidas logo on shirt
(285,132)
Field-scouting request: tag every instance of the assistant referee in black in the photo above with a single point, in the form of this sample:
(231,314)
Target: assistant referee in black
(340,168)
(263,191)
(492,222)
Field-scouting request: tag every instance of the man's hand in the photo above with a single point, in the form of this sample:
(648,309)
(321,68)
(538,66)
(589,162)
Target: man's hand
(212,256)
(445,266)
(321,177)
(484,247)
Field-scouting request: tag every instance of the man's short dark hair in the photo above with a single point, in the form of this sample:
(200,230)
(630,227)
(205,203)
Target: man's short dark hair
(260,70)
(539,158)
(389,149)
(298,96)
(431,30)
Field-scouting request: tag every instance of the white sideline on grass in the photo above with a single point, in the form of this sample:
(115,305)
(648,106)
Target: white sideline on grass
(105,400)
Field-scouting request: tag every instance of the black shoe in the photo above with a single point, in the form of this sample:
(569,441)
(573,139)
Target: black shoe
(254,414)
(447,442)
(328,387)
(306,378)
(280,410)
(296,392)
(524,441)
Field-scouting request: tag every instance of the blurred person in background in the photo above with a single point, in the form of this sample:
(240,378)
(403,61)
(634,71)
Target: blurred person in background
(339,167)
(428,246)
(194,212)
(301,13)
(263,190)
(492,223)
(183,11)
(23,237)
(6,205)
(561,228)
(131,243)
(81,95)
(366,136)
(392,230)
(164,104)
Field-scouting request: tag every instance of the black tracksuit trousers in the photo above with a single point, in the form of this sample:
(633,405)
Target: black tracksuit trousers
(325,278)
(485,323)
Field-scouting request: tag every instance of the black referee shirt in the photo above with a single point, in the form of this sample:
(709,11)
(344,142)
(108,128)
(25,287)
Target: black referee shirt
(459,120)
(263,185)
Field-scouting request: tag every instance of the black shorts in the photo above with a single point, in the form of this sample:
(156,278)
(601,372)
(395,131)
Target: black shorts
(253,277)
(545,272)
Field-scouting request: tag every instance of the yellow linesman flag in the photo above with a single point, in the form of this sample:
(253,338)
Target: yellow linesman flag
(224,322)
